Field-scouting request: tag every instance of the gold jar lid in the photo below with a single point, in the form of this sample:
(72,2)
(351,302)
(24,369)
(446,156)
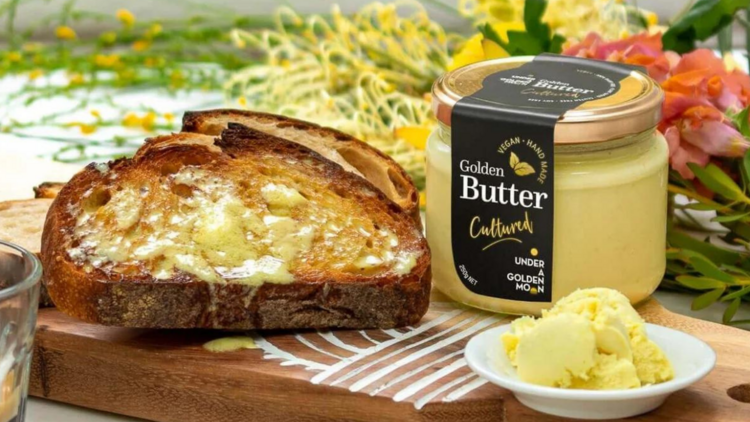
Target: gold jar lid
(634,108)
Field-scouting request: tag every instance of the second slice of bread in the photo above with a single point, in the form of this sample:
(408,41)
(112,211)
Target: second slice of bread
(21,223)
(350,153)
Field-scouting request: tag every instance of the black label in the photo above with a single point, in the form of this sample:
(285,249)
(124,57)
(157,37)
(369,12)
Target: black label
(502,194)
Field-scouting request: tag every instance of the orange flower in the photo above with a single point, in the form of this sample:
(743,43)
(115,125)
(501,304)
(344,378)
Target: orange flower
(699,92)
(642,50)
(696,130)
(702,74)
(65,33)
(141,45)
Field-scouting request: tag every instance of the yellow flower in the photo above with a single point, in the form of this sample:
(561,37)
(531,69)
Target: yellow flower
(131,120)
(106,60)
(242,101)
(75,79)
(169,117)
(477,48)
(13,57)
(96,114)
(147,122)
(422,199)
(126,17)
(108,38)
(34,74)
(503,11)
(85,128)
(730,63)
(240,43)
(153,31)
(414,135)
(141,45)
(65,33)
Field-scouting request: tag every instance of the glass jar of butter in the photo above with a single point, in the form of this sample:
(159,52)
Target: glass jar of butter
(545,175)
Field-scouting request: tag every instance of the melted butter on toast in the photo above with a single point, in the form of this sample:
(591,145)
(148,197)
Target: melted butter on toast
(208,225)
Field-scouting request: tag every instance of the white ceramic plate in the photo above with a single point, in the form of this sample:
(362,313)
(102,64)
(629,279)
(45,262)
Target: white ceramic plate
(691,358)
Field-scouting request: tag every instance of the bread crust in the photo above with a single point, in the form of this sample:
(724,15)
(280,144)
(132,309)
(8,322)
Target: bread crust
(399,186)
(48,190)
(314,300)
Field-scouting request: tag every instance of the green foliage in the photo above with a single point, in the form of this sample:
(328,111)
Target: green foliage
(707,299)
(702,21)
(740,120)
(719,182)
(691,247)
(693,271)
(538,37)
(700,283)
(169,55)
(731,218)
(731,311)
(702,266)
(709,269)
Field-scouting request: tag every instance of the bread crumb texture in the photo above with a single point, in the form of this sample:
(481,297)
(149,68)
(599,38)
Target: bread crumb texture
(243,224)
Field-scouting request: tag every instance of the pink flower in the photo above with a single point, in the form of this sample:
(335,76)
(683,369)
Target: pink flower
(699,90)
(642,50)
(695,131)
(680,154)
(702,74)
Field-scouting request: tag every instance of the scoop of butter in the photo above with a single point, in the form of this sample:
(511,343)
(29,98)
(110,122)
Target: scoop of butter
(591,339)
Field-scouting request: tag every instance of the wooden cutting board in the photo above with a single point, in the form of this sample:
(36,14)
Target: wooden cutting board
(401,375)
(411,374)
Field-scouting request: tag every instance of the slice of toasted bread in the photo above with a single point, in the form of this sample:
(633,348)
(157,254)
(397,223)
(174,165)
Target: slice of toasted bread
(48,190)
(247,231)
(350,153)
(21,222)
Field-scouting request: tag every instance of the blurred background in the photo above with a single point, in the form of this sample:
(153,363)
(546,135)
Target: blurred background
(665,9)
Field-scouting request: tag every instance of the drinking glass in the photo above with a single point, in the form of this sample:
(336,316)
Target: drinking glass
(20,272)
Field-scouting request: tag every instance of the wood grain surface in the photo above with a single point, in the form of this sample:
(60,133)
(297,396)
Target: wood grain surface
(411,374)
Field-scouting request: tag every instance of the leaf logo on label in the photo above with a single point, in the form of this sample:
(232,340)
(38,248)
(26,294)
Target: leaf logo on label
(520,168)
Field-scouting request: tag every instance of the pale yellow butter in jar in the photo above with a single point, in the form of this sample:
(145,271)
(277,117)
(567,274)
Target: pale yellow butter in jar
(610,193)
